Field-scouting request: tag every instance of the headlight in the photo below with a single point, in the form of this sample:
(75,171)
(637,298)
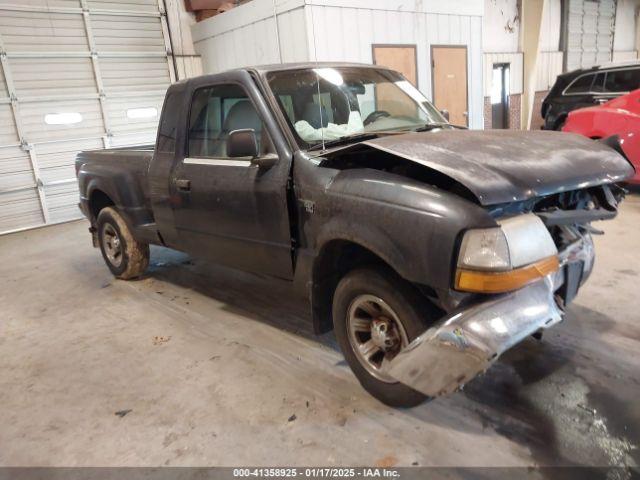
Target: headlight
(505,258)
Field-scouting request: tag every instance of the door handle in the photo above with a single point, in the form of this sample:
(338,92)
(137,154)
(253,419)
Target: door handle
(183,184)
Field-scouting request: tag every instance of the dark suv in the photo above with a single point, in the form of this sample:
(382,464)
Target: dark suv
(586,87)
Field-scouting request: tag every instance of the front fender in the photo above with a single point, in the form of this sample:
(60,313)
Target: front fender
(412,226)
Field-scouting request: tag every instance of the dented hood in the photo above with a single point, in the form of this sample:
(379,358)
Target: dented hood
(505,166)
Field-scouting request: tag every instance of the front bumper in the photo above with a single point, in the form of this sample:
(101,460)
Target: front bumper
(466,343)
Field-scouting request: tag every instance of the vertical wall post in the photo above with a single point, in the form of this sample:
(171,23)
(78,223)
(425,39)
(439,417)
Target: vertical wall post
(532,14)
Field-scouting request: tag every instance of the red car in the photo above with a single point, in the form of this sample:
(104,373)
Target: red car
(620,116)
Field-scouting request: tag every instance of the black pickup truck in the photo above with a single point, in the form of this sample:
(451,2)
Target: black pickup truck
(428,248)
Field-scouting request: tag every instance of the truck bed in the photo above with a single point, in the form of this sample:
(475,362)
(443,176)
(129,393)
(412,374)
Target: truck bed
(122,174)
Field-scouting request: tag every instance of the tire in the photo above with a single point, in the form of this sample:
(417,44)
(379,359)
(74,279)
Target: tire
(560,123)
(125,256)
(361,288)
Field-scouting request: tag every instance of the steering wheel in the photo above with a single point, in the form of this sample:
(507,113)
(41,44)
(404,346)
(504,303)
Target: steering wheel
(375,115)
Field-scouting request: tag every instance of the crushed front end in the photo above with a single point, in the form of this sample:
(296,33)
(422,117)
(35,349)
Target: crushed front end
(523,272)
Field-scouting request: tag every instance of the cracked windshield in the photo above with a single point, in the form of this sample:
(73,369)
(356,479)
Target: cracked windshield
(326,104)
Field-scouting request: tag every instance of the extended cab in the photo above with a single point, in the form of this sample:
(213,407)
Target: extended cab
(429,249)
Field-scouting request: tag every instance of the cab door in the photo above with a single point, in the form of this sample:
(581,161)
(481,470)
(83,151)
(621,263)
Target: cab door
(231,210)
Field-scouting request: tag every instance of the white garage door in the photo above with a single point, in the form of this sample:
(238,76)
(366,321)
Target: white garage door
(76,75)
(589,26)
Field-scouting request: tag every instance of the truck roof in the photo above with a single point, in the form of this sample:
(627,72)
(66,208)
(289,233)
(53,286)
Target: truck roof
(277,67)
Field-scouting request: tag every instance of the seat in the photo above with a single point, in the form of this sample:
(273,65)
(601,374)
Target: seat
(311,115)
(242,115)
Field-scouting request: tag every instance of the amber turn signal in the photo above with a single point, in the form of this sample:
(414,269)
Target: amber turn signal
(498,282)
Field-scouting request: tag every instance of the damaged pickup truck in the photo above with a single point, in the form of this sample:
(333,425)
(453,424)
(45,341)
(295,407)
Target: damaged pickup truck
(429,249)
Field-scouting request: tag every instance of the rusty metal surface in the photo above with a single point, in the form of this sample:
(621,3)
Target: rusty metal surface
(502,166)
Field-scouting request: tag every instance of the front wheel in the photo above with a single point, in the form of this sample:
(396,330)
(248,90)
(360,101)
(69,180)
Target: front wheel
(376,314)
(124,255)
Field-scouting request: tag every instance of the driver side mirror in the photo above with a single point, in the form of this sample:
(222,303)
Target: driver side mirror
(242,143)
(445,114)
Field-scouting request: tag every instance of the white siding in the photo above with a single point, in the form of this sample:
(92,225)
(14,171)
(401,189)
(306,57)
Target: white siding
(624,40)
(345,30)
(550,27)
(255,43)
(501,26)
(347,34)
(625,33)
(622,56)
(548,68)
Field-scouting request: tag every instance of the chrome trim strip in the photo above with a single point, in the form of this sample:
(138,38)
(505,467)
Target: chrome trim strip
(217,162)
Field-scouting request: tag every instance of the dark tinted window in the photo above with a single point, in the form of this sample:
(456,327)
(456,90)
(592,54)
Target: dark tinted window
(598,83)
(623,80)
(582,84)
(216,112)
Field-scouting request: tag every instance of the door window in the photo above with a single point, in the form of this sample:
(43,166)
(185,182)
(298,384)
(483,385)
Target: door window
(620,81)
(216,112)
(581,84)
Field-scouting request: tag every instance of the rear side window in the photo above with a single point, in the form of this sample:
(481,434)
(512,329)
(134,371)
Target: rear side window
(217,111)
(620,81)
(582,84)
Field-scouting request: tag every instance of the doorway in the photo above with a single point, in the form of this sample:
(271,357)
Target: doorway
(449,78)
(401,58)
(500,96)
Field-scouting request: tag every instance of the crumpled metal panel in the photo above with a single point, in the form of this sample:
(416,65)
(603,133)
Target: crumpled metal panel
(466,343)
(500,166)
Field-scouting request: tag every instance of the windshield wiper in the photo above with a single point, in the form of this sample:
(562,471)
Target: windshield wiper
(427,127)
(344,140)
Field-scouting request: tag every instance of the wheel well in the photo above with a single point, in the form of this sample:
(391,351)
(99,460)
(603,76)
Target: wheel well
(98,201)
(335,259)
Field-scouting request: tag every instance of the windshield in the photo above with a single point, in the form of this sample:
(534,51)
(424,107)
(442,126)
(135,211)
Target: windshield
(325,104)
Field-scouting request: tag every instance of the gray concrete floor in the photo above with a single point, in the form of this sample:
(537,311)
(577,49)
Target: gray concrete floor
(213,363)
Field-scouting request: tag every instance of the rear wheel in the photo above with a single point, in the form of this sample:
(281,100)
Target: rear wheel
(376,314)
(126,257)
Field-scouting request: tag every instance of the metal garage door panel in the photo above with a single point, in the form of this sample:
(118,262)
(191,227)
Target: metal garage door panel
(15,169)
(53,73)
(53,77)
(4,94)
(137,139)
(121,111)
(141,74)
(42,32)
(36,130)
(8,132)
(589,32)
(20,209)
(62,202)
(43,3)
(57,160)
(133,5)
(122,33)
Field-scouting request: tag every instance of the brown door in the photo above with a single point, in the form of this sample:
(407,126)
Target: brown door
(450,82)
(401,58)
